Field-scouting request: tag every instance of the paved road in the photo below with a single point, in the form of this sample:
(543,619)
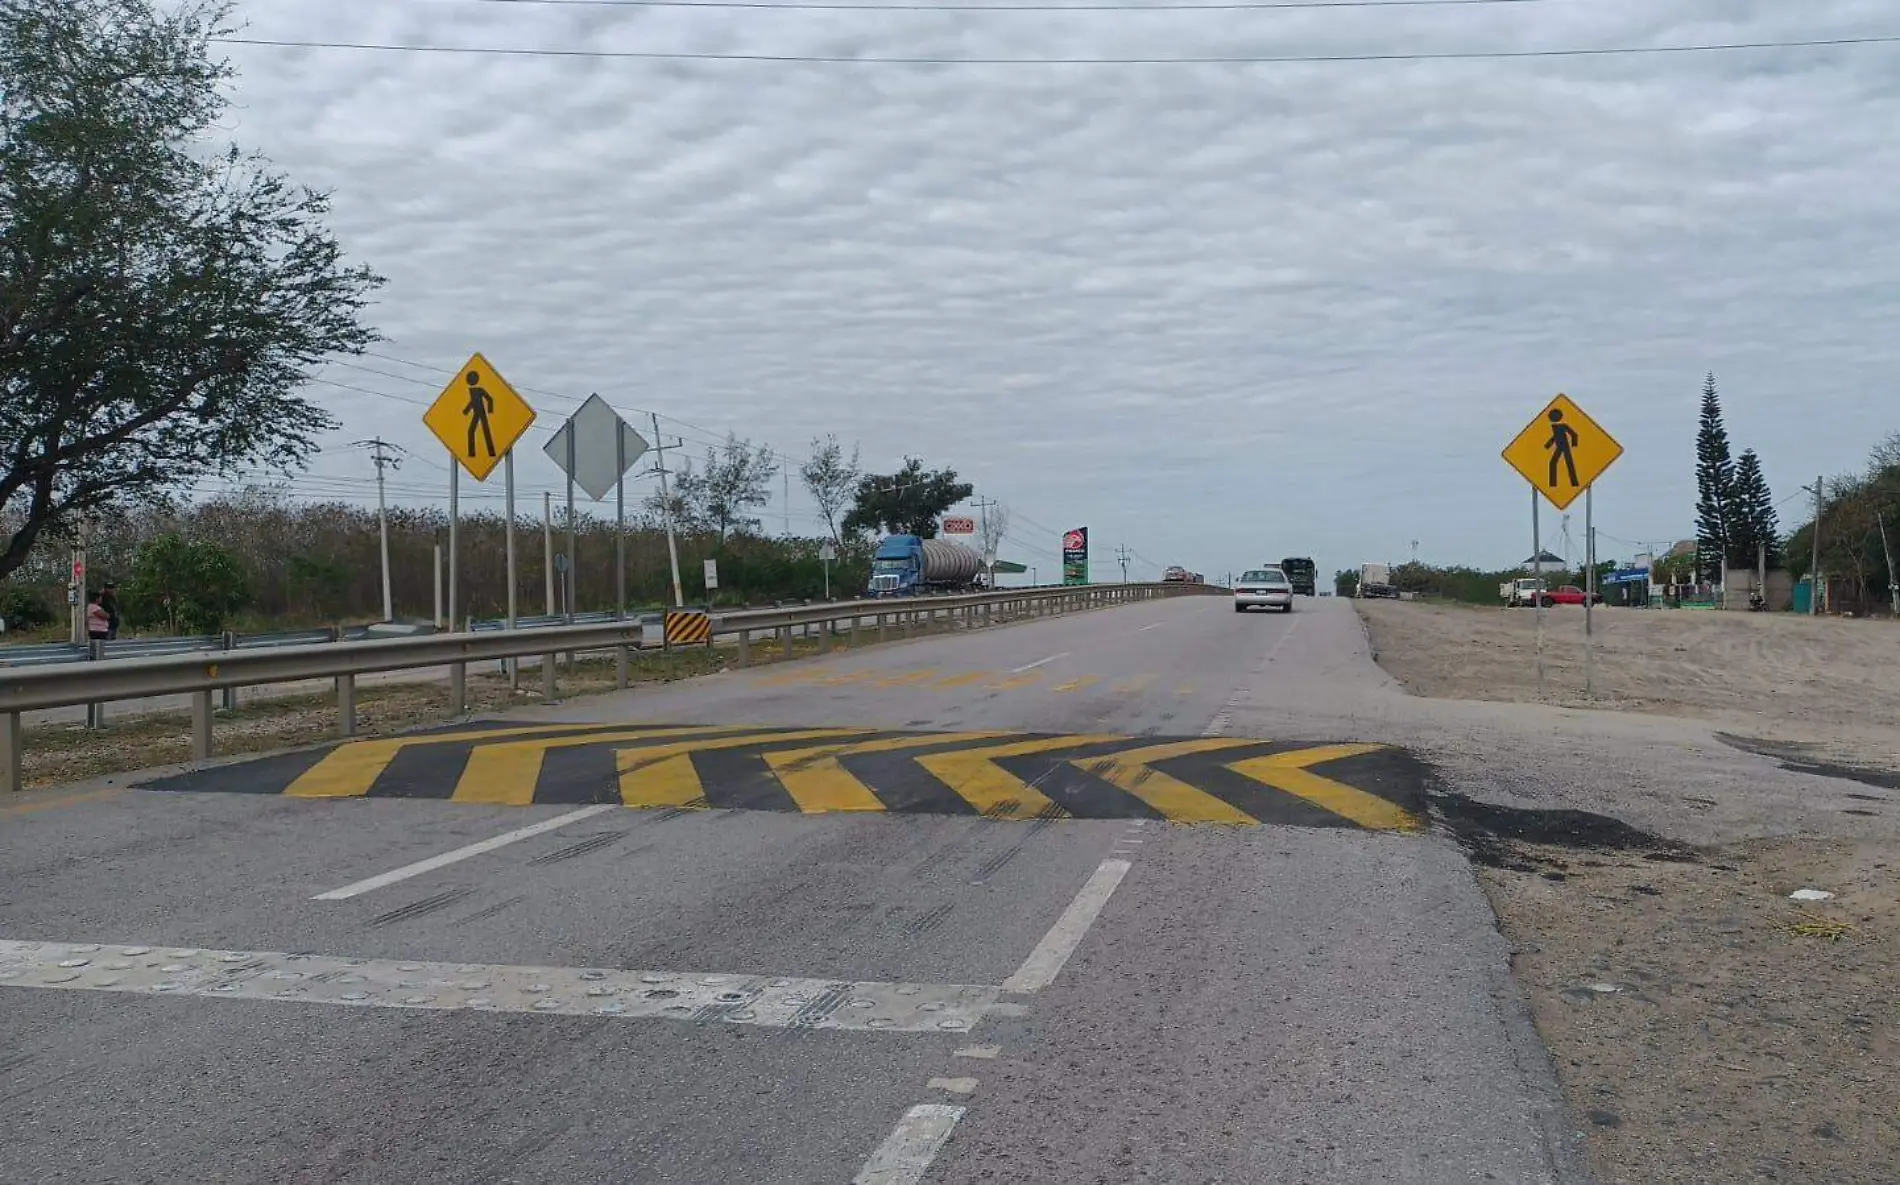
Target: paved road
(546,985)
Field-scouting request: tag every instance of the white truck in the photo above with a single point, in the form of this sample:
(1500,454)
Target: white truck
(1522,592)
(1375,580)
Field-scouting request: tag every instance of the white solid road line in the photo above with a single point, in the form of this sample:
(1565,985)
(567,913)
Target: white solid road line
(1041,662)
(1044,963)
(459,854)
(905,1155)
(697,997)
(1157,625)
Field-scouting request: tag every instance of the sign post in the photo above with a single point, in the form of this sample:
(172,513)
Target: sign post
(1562,453)
(595,448)
(826,554)
(478,418)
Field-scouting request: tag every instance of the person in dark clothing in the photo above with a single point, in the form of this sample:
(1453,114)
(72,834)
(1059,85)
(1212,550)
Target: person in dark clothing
(109,600)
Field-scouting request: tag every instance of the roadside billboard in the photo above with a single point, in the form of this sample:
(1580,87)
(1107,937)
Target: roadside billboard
(1075,556)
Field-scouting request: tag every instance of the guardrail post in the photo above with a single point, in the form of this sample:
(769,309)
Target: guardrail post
(824,637)
(95,713)
(227,697)
(745,648)
(346,705)
(880,627)
(458,688)
(12,759)
(201,725)
(851,638)
(547,678)
(620,667)
(785,635)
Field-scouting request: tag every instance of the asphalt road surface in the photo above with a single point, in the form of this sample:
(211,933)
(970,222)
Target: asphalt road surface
(1132,895)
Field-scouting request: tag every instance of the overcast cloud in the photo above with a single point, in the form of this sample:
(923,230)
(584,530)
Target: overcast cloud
(1219,313)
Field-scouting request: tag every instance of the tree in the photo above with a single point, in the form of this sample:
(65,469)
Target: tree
(1346,583)
(1752,516)
(1714,482)
(830,479)
(160,302)
(186,585)
(993,525)
(685,498)
(907,502)
(737,478)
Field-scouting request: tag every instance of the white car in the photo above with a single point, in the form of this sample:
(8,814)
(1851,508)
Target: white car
(1263,588)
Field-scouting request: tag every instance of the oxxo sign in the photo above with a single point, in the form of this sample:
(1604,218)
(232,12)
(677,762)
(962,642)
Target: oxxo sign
(959,526)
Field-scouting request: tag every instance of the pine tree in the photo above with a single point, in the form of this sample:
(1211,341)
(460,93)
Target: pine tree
(1752,514)
(1714,483)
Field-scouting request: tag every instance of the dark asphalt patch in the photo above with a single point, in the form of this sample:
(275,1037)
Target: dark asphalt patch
(1504,836)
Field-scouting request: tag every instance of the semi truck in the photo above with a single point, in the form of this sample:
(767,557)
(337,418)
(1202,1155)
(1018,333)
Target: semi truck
(908,565)
(1375,580)
(1302,573)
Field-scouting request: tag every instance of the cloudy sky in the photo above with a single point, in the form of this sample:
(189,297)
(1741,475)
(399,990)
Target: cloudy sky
(1217,312)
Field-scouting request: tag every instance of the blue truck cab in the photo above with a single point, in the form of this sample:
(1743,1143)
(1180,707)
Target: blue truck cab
(897,568)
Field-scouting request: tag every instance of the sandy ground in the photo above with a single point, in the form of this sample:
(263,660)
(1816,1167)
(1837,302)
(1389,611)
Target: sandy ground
(1829,685)
(1705,1027)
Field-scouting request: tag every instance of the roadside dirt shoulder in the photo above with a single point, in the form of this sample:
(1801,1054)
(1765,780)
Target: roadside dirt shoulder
(1706,1027)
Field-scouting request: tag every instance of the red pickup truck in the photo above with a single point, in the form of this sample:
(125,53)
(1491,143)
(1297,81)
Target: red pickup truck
(1570,594)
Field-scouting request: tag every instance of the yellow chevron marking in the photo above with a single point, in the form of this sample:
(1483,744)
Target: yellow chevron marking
(506,774)
(846,677)
(963,680)
(991,789)
(1017,683)
(1130,686)
(663,775)
(349,770)
(1290,772)
(819,783)
(672,782)
(1076,684)
(1176,800)
(909,677)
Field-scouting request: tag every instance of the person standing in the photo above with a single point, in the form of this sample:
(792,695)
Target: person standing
(109,599)
(98,620)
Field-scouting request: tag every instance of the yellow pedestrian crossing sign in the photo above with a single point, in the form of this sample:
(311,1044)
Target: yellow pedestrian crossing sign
(478,417)
(1562,452)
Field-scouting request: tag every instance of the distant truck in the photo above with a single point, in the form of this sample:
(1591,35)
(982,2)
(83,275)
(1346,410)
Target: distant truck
(907,566)
(1302,573)
(1524,591)
(1375,580)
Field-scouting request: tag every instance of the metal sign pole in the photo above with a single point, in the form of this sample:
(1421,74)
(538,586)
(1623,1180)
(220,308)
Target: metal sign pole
(1589,591)
(508,481)
(1537,586)
(455,531)
(567,584)
(620,519)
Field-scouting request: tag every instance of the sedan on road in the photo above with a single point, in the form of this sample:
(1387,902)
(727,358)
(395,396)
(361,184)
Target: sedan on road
(1263,588)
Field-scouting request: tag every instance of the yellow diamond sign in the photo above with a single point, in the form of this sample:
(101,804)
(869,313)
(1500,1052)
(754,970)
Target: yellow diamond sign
(478,417)
(1562,452)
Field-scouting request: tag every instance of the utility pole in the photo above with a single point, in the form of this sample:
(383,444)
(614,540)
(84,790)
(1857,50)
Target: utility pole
(1814,567)
(384,458)
(76,586)
(1122,557)
(787,475)
(666,512)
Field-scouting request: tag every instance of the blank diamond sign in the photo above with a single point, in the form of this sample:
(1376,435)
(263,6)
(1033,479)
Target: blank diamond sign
(595,447)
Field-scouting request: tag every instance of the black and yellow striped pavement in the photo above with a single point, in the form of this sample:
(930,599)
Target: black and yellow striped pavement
(1001,775)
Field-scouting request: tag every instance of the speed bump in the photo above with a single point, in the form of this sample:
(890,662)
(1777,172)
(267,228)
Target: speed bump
(1001,775)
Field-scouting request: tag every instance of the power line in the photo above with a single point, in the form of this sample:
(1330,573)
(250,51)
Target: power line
(808,6)
(1211,60)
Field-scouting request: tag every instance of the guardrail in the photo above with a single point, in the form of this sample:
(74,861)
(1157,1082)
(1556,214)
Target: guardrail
(39,654)
(198,674)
